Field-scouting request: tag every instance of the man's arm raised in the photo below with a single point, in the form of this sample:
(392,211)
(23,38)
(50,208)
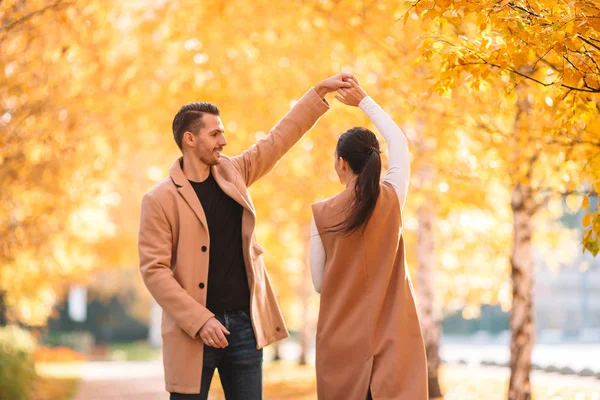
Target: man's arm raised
(255,162)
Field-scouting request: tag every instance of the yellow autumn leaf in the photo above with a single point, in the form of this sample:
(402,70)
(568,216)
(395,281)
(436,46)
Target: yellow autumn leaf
(585,204)
(587,219)
(443,4)
(423,5)
(571,77)
(595,23)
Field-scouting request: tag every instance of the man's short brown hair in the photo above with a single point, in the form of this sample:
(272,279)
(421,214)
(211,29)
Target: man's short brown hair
(189,118)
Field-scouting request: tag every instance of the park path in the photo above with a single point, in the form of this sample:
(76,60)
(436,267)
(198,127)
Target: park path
(122,380)
(144,381)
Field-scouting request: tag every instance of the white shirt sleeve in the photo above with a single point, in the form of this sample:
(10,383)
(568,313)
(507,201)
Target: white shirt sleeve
(317,257)
(399,173)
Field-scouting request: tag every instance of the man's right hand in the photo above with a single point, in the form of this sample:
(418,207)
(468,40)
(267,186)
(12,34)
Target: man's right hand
(213,334)
(339,81)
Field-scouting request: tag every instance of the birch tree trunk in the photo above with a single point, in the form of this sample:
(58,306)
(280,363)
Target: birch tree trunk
(521,316)
(523,207)
(430,315)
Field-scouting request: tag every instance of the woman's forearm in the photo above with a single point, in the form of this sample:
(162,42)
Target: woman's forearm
(398,174)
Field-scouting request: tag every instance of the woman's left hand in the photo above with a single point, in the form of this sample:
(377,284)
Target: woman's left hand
(351,96)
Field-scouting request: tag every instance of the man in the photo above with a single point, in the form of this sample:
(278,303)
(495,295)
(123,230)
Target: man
(199,256)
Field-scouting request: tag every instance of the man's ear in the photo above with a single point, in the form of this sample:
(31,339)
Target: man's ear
(189,138)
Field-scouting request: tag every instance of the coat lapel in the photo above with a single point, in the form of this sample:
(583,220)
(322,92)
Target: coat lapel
(230,190)
(187,191)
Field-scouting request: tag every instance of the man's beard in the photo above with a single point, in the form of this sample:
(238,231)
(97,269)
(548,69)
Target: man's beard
(210,160)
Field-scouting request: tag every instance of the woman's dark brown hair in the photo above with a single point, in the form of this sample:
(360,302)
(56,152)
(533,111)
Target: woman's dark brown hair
(360,148)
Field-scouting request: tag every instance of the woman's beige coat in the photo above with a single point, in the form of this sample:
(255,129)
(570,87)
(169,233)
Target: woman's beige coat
(174,243)
(368,334)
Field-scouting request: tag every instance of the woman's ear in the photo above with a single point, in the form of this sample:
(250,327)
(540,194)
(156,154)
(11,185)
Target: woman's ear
(344,164)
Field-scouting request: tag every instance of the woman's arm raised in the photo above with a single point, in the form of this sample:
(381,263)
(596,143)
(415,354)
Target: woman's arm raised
(399,173)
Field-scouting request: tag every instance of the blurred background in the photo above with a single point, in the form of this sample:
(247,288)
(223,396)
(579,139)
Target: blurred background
(500,101)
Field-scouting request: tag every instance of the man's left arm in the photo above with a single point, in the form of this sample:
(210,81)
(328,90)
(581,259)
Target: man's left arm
(255,162)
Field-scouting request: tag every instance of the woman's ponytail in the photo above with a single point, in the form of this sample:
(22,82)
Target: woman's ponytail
(360,148)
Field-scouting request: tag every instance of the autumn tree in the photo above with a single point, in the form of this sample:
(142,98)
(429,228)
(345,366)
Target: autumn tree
(553,45)
(53,156)
(546,53)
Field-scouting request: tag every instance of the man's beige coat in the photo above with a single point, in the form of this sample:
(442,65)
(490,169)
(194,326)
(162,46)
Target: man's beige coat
(174,247)
(368,333)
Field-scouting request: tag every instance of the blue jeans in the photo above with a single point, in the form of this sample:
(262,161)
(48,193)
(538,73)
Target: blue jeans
(239,364)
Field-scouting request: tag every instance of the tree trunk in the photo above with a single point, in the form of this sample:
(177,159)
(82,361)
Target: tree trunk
(304,333)
(276,351)
(523,206)
(521,315)
(3,313)
(430,314)
(305,290)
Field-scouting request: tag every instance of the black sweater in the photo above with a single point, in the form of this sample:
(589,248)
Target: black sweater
(227,279)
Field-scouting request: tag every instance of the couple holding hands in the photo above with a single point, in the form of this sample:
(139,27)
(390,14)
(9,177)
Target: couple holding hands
(200,259)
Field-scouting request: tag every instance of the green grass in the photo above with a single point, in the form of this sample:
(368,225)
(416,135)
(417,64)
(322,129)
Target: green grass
(132,351)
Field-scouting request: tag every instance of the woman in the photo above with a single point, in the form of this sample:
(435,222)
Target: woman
(369,342)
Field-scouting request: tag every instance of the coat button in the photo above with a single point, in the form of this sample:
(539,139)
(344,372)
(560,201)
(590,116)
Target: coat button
(201,285)
(278,329)
(204,249)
